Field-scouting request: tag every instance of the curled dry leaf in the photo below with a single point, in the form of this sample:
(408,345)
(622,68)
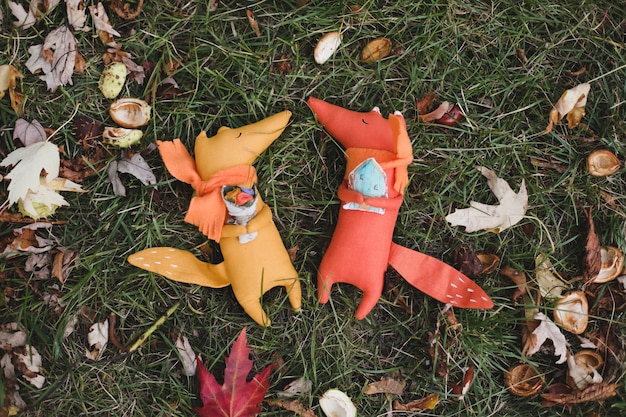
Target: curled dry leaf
(253,23)
(602,163)
(572,103)
(124,9)
(297,386)
(187,355)
(376,50)
(97,338)
(103,24)
(518,278)
(592,262)
(326,47)
(429,402)
(523,380)
(8,82)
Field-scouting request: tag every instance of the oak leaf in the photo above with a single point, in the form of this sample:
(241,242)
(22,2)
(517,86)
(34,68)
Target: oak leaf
(236,397)
(496,218)
(546,330)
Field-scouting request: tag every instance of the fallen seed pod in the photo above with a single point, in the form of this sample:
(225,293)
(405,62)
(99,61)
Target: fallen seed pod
(523,380)
(571,312)
(602,163)
(612,264)
(583,369)
(326,47)
(112,79)
(130,112)
(376,50)
(121,137)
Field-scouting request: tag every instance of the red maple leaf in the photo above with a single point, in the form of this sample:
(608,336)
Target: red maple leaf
(236,397)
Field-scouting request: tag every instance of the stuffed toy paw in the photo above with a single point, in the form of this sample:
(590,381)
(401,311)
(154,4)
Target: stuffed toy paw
(227,208)
(378,152)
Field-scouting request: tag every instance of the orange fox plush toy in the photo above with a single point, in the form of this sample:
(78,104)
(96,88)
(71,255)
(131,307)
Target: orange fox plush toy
(227,208)
(378,152)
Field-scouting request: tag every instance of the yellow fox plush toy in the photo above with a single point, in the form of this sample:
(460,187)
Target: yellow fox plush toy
(227,208)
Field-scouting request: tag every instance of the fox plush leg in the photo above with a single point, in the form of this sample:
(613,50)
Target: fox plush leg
(181,266)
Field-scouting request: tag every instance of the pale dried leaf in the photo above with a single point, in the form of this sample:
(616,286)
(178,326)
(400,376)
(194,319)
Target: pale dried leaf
(97,338)
(28,163)
(427,403)
(546,330)
(137,167)
(76,14)
(29,132)
(187,355)
(55,58)
(102,23)
(12,335)
(297,386)
(24,19)
(549,284)
(31,359)
(496,218)
(294,406)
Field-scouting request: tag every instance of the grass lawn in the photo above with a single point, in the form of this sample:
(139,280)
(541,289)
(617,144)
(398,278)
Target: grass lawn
(506,63)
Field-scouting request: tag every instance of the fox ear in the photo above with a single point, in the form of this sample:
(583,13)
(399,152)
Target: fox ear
(222,129)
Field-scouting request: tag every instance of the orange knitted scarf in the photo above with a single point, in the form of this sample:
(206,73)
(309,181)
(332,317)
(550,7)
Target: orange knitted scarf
(206,209)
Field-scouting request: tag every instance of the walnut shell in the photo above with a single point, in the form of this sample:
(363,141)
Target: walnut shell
(376,50)
(571,312)
(523,380)
(602,163)
(130,112)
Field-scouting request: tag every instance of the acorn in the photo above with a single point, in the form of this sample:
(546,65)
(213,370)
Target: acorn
(112,79)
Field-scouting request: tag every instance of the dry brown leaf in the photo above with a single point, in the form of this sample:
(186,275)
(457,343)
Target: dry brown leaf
(425,103)
(56,58)
(103,24)
(594,392)
(124,10)
(386,385)
(466,261)
(427,403)
(293,406)
(253,23)
(518,278)
(61,263)
(292,252)
(592,262)
(76,14)
(448,312)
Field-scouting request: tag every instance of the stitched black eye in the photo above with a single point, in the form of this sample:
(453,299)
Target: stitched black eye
(239,135)
(364,122)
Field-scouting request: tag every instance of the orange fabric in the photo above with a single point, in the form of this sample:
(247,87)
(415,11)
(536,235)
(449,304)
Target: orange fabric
(206,209)
(361,248)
